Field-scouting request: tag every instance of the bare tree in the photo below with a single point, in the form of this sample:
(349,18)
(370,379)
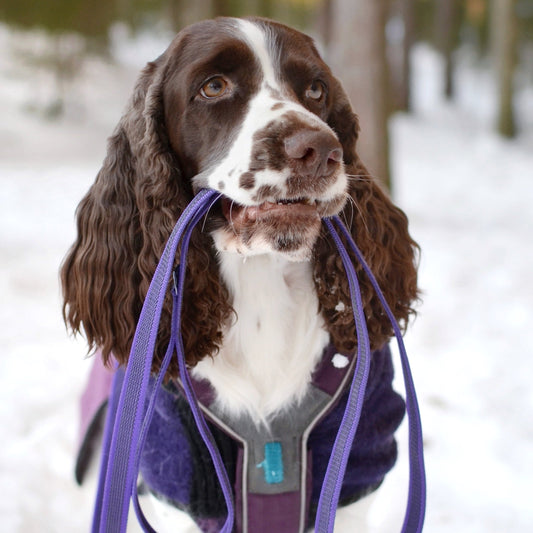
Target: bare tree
(220,8)
(324,22)
(503,44)
(400,39)
(407,13)
(357,50)
(447,31)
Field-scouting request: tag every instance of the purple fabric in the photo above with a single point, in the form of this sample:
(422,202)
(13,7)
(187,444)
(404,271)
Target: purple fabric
(92,410)
(204,391)
(170,452)
(95,394)
(274,512)
(326,376)
(374,451)
(166,458)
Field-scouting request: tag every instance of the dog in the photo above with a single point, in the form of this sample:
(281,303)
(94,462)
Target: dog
(246,107)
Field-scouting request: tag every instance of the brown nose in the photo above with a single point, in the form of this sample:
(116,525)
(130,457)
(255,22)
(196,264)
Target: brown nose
(314,153)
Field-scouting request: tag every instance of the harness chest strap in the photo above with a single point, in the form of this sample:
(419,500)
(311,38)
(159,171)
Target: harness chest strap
(273,465)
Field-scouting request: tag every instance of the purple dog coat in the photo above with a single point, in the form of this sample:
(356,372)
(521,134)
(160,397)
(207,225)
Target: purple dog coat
(176,466)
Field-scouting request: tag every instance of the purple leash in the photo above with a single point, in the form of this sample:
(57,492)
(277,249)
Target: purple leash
(331,487)
(128,421)
(176,344)
(329,495)
(416,506)
(118,471)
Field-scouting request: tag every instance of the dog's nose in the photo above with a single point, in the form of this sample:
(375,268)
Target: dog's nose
(314,153)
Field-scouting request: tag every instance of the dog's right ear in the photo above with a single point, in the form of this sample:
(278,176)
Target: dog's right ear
(123,222)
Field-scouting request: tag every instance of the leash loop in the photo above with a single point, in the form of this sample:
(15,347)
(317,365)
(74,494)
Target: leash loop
(331,487)
(416,504)
(129,414)
(118,470)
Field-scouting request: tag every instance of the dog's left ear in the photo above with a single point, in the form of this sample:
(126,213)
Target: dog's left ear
(380,230)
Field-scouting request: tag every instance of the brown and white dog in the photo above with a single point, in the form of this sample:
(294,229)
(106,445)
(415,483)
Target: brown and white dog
(248,108)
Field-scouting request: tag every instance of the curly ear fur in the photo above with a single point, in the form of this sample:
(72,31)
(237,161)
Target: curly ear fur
(123,223)
(380,230)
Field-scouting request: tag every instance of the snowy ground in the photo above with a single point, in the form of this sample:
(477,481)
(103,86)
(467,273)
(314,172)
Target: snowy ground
(468,195)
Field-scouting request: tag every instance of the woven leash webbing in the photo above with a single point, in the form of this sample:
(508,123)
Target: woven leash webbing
(416,505)
(118,470)
(329,496)
(176,346)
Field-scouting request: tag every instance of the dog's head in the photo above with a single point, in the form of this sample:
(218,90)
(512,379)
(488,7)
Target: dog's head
(251,111)
(248,108)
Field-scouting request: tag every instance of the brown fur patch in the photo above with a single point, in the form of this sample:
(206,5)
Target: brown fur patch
(247,181)
(266,192)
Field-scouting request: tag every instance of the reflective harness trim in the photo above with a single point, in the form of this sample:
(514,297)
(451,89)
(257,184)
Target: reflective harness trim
(289,432)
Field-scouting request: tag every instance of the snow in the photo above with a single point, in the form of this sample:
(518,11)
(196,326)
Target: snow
(340,361)
(468,195)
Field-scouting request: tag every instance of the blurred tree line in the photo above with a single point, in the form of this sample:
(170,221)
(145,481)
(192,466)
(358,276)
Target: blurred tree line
(94,18)
(371,42)
(368,42)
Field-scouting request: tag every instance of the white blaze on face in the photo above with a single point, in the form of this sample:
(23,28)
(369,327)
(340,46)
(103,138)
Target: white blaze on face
(262,110)
(258,42)
(259,114)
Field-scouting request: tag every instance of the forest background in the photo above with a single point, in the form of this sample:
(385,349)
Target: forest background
(444,91)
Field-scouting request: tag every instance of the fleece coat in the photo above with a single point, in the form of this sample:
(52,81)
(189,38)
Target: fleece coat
(176,466)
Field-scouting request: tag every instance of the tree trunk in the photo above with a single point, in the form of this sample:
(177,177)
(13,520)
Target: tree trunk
(220,8)
(358,57)
(324,21)
(400,38)
(504,37)
(447,30)
(407,13)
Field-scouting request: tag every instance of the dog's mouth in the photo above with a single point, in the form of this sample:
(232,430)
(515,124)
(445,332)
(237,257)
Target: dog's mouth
(287,209)
(288,225)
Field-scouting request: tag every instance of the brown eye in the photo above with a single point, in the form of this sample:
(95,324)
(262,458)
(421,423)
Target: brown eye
(214,87)
(316,91)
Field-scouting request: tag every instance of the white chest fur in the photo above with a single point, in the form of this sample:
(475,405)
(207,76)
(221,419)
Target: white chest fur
(271,349)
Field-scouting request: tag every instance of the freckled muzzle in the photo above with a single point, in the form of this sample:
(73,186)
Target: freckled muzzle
(306,156)
(294,178)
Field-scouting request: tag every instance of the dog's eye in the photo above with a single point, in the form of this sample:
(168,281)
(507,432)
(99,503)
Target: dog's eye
(316,91)
(214,87)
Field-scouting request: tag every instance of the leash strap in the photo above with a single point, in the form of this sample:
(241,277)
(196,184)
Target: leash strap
(118,470)
(331,487)
(414,516)
(176,344)
(129,418)
(416,504)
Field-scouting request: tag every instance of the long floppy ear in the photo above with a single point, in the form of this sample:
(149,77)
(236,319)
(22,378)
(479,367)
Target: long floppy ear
(123,224)
(380,230)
